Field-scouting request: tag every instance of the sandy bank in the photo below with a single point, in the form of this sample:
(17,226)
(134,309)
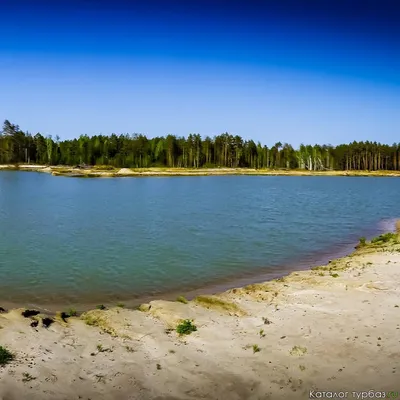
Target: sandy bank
(98,172)
(335,328)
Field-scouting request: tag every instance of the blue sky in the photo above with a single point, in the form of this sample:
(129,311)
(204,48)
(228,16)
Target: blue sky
(291,71)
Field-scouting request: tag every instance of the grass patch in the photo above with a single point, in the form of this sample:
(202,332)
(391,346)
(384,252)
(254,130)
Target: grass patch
(102,349)
(71,312)
(103,168)
(216,303)
(186,327)
(182,299)
(298,351)
(321,268)
(385,238)
(362,241)
(120,305)
(101,307)
(256,348)
(262,334)
(334,275)
(93,318)
(27,377)
(5,356)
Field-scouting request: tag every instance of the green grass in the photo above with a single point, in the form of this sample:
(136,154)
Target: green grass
(72,312)
(216,303)
(121,305)
(256,348)
(95,319)
(101,307)
(182,299)
(266,321)
(100,348)
(186,327)
(5,356)
(385,238)
(27,377)
(363,241)
(298,351)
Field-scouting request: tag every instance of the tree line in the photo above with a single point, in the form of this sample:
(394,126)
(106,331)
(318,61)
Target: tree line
(193,151)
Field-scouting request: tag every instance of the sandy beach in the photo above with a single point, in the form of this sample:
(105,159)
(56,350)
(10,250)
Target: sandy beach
(331,329)
(99,172)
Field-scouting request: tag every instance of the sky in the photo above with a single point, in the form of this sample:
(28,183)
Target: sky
(305,71)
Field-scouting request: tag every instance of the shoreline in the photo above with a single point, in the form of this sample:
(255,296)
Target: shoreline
(331,328)
(261,275)
(99,172)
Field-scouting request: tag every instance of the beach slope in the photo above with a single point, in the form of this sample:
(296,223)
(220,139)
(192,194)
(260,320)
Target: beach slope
(334,328)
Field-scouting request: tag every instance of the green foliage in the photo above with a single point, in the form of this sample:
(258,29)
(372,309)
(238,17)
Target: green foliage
(193,151)
(186,327)
(363,241)
(72,312)
(182,299)
(385,238)
(5,356)
(121,305)
(256,349)
(101,307)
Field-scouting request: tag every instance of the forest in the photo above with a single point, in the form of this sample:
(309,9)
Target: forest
(193,151)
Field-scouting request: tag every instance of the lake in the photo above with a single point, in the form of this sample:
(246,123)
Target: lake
(80,242)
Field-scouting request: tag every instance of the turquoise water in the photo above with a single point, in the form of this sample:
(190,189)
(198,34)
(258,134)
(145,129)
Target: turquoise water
(85,241)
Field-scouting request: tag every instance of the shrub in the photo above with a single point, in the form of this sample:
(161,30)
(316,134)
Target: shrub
(5,356)
(182,299)
(186,327)
(363,241)
(384,238)
(101,307)
(72,312)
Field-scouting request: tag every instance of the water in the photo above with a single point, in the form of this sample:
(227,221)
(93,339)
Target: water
(87,241)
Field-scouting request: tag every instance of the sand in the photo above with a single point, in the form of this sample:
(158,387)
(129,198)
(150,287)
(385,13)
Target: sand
(328,330)
(135,172)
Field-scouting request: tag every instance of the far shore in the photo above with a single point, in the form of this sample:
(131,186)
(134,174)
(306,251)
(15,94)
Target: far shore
(110,172)
(332,329)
